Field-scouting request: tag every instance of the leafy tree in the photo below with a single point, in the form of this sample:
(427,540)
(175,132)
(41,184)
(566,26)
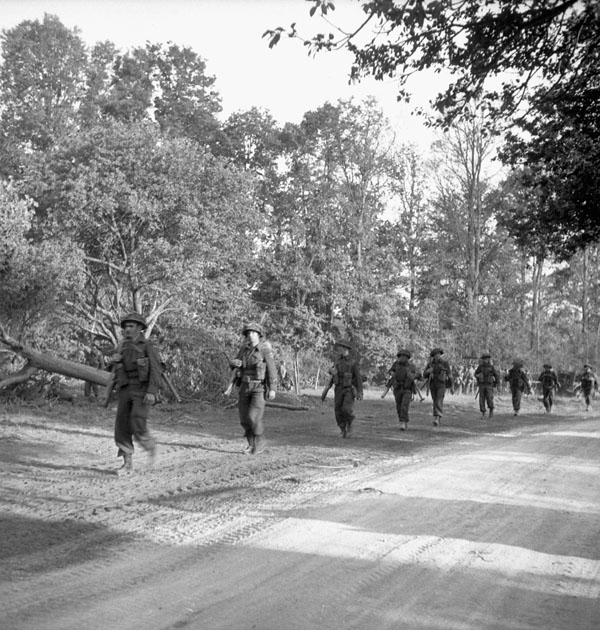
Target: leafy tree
(42,78)
(532,63)
(35,277)
(160,221)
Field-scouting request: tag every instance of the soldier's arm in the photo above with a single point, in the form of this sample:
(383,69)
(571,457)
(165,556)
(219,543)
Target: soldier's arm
(155,368)
(359,383)
(271,375)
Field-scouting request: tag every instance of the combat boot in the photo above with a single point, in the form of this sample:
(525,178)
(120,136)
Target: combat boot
(403,426)
(491,414)
(436,421)
(483,415)
(250,448)
(259,444)
(127,467)
(152,457)
(349,430)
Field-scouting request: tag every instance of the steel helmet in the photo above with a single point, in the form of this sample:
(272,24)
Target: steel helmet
(136,318)
(253,326)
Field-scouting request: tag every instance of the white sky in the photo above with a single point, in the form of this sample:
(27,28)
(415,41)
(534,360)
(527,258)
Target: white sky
(228,35)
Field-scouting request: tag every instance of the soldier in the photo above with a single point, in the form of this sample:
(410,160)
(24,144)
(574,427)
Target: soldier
(549,382)
(519,382)
(347,382)
(403,376)
(256,378)
(137,374)
(589,385)
(487,378)
(439,376)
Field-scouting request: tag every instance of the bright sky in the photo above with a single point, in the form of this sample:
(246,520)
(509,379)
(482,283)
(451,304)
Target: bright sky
(228,35)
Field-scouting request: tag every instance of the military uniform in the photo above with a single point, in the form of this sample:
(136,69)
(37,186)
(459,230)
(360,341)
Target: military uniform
(549,382)
(519,382)
(138,373)
(589,384)
(486,377)
(403,375)
(347,383)
(439,376)
(256,375)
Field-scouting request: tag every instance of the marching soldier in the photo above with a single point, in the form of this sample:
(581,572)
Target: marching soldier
(256,377)
(403,376)
(137,375)
(589,385)
(549,381)
(348,387)
(487,378)
(519,382)
(439,377)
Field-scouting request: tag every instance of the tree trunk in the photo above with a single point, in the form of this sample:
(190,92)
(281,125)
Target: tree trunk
(54,364)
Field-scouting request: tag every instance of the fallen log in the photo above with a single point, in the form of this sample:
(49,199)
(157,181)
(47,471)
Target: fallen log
(56,365)
(24,374)
(285,406)
(268,403)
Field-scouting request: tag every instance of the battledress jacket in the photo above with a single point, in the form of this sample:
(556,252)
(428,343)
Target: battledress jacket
(257,365)
(140,365)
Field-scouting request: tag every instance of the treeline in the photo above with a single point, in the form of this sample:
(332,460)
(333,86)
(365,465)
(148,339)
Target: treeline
(123,190)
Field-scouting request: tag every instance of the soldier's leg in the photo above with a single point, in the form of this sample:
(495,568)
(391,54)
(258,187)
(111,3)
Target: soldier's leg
(482,399)
(338,402)
(243,410)
(404,407)
(139,422)
(256,411)
(437,395)
(123,433)
(516,400)
(489,397)
(348,409)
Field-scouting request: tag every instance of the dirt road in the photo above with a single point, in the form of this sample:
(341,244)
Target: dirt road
(473,525)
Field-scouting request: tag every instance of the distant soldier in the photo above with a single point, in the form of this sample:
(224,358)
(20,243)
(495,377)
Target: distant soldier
(348,387)
(549,381)
(403,376)
(95,359)
(487,377)
(137,369)
(589,385)
(439,377)
(257,379)
(519,382)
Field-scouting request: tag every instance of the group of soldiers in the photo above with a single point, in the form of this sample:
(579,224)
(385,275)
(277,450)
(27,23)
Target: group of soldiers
(137,370)
(438,374)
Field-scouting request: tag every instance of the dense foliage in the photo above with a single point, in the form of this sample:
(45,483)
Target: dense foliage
(122,190)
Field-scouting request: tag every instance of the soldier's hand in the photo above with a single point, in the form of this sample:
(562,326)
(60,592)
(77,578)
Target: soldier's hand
(149,399)
(235,363)
(116,358)
(271,395)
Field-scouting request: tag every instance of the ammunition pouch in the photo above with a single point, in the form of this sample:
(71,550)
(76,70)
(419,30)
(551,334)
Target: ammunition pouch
(347,379)
(143,368)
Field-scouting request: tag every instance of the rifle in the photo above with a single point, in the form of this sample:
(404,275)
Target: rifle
(388,386)
(167,380)
(326,389)
(418,391)
(109,387)
(235,374)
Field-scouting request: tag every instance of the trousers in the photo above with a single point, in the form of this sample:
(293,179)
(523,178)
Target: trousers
(132,421)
